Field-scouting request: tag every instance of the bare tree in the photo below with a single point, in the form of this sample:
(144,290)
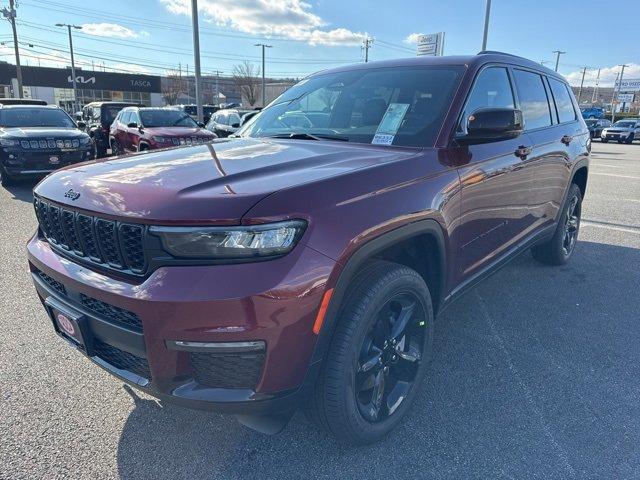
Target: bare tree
(172,86)
(246,77)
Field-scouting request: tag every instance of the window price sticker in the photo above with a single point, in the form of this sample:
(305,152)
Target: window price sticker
(390,123)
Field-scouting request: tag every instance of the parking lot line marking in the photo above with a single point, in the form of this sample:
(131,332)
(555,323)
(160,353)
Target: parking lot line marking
(609,166)
(611,226)
(615,175)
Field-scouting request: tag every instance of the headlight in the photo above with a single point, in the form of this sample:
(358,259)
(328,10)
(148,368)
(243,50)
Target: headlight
(241,242)
(162,139)
(9,142)
(84,141)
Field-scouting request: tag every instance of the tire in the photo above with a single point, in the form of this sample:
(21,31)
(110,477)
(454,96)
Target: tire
(604,140)
(99,152)
(344,401)
(116,148)
(629,140)
(559,249)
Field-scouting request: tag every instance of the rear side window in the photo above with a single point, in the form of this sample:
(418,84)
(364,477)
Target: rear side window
(533,99)
(492,89)
(563,101)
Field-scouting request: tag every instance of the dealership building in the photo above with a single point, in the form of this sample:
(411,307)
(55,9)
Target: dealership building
(55,86)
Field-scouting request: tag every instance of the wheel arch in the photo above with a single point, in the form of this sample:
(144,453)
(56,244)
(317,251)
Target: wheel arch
(580,176)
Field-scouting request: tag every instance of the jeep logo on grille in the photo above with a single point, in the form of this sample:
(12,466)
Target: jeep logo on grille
(72,194)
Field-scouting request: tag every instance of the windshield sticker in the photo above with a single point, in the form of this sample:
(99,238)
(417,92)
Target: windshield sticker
(390,123)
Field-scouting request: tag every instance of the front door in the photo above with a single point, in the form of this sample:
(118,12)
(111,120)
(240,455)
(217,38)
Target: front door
(495,182)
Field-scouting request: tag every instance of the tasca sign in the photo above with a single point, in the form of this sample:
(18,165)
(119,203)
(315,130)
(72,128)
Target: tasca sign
(631,85)
(431,44)
(61,78)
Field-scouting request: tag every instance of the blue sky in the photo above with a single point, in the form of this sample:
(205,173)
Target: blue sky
(154,36)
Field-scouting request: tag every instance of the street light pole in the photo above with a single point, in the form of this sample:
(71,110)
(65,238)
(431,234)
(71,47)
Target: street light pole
(263,85)
(584,71)
(73,65)
(487,14)
(558,53)
(196,54)
(10,15)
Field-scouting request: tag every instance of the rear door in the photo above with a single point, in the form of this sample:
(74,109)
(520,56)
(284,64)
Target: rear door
(494,180)
(555,146)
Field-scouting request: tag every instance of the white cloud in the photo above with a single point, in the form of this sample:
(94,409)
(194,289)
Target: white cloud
(112,30)
(293,19)
(413,38)
(607,75)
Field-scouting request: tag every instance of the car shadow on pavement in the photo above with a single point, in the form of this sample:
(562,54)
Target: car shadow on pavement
(534,374)
(22,190)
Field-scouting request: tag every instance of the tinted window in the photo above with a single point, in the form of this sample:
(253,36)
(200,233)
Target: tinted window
(352,105)
(109,113)
(533,99)
(563,100)
(234,119)
(35,117)
(166,118)
(491,89)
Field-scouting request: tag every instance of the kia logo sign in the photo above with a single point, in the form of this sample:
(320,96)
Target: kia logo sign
(81,79)
(66,324)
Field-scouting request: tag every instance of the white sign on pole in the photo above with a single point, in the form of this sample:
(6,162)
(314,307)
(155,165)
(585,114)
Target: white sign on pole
(431,44)
(625,97)
(631,85)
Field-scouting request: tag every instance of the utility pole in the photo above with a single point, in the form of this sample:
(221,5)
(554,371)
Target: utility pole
(10,15)
(196,54)
(619,82)
(263,85)
(487,14)
(558,53)
(584,71)
(366,45)
(73,65)
(595,89)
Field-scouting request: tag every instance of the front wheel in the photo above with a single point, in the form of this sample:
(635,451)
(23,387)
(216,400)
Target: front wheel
(378,355)
(558,250)
(116,148)
(6,180)
(630,139)
(604,140)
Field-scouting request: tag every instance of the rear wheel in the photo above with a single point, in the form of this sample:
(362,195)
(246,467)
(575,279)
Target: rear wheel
(558,250)
(378,355)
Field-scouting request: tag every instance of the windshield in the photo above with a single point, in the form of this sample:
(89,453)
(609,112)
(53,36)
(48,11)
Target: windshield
(110,113)
(35,117)
(623,124)
(166,118)
(387,106)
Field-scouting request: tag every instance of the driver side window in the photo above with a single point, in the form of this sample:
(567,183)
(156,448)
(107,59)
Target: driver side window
(491,89)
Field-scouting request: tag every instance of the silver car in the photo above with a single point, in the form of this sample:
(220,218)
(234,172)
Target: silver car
(623,131)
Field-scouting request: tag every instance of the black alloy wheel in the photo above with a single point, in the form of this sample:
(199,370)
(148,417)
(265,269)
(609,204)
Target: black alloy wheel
(389,357)
(571,225)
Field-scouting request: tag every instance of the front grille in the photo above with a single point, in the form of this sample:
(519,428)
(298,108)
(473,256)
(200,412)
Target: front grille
(240,370)
(110,312)
(107,243)
(50,143)
(53,283)
(121,359)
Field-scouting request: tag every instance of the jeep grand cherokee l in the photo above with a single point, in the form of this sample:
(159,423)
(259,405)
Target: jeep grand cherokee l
(303,265)
(37,139)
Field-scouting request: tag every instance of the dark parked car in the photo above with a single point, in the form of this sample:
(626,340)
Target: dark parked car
(192,111)
(595,126)
(37,139)
(226,122)
(303,267)
(21,101)
(138,129)
(98,116)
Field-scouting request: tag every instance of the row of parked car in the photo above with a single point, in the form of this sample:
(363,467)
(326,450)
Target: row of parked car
(622,131)
(36,138)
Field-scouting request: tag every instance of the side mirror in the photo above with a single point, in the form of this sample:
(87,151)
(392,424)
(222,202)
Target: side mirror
(493,124)
(201,124)
(81,125)
(132,125)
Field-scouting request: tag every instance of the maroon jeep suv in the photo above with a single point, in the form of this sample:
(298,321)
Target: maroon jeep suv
(136,129)
(302,263)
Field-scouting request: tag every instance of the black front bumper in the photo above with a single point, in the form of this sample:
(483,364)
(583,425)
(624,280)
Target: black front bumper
(122,353)
(20,162)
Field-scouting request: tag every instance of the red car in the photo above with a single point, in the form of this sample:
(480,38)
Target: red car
(136,129)
(302,264)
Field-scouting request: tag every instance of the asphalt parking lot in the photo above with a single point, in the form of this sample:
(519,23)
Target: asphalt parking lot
(536,375)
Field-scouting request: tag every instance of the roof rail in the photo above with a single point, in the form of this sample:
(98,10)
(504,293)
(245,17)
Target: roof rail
(496,52)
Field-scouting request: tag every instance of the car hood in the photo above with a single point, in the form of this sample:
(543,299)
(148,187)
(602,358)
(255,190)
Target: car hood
(215,183)
(176,131)
(31,132)
(619,129)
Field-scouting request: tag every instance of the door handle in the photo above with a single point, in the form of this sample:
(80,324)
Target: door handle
(566,139)
(522,152)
